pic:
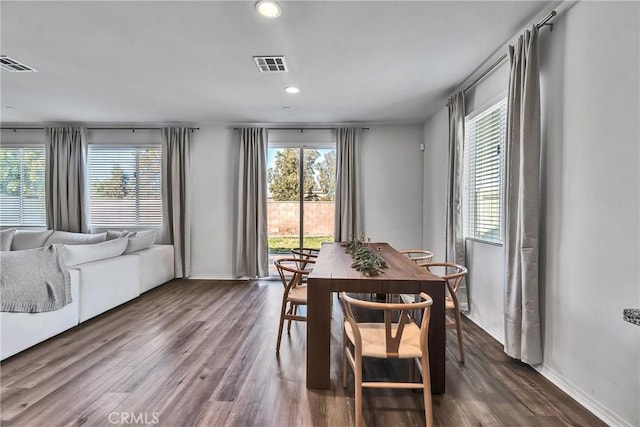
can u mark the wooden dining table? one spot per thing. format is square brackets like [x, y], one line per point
[332, 272]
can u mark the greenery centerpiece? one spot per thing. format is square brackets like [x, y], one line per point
[365, 260]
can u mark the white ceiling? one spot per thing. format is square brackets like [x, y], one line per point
[181, 61]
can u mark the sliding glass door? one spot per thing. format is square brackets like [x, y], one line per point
[300, 197]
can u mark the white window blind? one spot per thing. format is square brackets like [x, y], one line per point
[125, 186]
[22, 186]
[485, 136]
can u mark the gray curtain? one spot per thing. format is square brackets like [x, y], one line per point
[522, 203]
[455, 251]
[176, 196]
[348, 206]
[66, 182]
[252, 247]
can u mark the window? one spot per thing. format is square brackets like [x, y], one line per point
[300, 215]
[125, 186]
[485, 136]
[22, 186]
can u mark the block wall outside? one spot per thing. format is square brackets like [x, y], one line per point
[284, 218]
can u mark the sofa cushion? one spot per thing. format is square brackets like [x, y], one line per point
[6, 237]
[81, 254]
[29, 239]
[140, 240]
[68, 238]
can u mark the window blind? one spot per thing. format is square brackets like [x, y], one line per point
[485, 136]
[125, 186]
[22, 186]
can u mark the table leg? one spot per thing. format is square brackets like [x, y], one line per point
[437, 337]
[318, 334]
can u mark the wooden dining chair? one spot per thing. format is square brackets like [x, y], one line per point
[292, 271]
[403, 339]
[453, 275]
[305, 254]
[419, 256]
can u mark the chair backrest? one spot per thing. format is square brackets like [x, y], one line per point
[419, 256]
[305, 252]
[392, 342]
[452, 273]
[292, 270]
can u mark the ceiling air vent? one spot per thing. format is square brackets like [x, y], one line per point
[270, 64]
[12, 65]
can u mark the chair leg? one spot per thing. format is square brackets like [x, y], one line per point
[459, 331]
[282, 313]
[358, 391]
[344, 358]
[426, 382]
[293, 310]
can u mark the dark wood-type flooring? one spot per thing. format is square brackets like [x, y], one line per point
[195, 352]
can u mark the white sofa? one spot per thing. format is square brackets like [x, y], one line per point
[22, 330]
[96, 287]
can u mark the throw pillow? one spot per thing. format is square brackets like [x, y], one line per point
[141, 240]
[82, 254]
[6, 237]
[68, 238]
[116, 234]
[28, 239]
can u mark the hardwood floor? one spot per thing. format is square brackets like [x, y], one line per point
[196, 352]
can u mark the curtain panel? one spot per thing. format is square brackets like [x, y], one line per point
[522, 203]
[252, 246]
[455, 249]
[348, 205]
[176, 196]
[67, 200]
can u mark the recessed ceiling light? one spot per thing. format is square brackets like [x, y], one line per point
[268, 8]
[291, 89]
[10, 107]
[286, 108]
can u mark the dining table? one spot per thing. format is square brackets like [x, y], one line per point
[332, 272]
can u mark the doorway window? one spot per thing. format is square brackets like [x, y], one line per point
[300, 197]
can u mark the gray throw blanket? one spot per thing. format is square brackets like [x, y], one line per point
[34, 280]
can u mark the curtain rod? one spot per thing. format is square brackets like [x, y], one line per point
[505, 55]
[301, 129]
[132, 129]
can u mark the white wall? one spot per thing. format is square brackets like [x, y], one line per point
[592, 195]
[434, 202]
[213, 163]
[590, 248]
[392, 185]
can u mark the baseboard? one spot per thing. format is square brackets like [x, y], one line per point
[495, 333]
[215, 277]
[592, 405]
